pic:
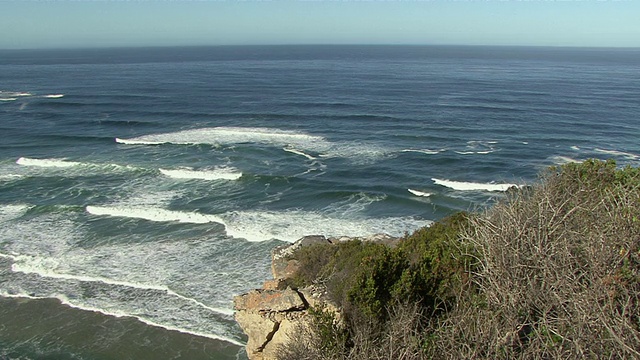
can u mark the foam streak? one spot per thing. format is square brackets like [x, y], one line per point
[154, 214]
[218, 174]
[471, 186]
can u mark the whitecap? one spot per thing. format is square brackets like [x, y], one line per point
[472, 186]
[53, 96]
[298, 152]
[626, 155]
[293, 141]
[230, 136]
[10, 177]
[215, 174]
[153, 214]
[561, 160]
[54, 163]
[137, 142]
[465, 152]
[290, 225]
[419, 193]
[425, 151]
[10, 212]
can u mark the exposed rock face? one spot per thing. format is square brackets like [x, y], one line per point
[269, 316]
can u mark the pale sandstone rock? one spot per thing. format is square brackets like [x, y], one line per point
[270, 316]
[259, 329]
[269, 300]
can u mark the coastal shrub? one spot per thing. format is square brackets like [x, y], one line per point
[369, 281]
[558, 273]
[551, 272]
[312, 260]
[401, 338]
[439, 263]
[366, 277]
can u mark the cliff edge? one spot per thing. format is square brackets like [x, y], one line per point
[271, 315]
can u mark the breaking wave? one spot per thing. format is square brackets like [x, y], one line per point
[425, 151]
[471, 186]
[298, 152]
[291, 225]
[216, 174]
[419, 193]
[229, 136]
[299, 143]
[154, 214]
[54, 163]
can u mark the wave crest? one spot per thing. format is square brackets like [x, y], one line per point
[154, 214]
[216, 174]
[472, 186]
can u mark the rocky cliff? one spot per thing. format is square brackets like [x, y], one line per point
[269, 316]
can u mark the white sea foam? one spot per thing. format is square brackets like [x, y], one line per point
[419, 193]
[229, 136]
[154, 214]
[14, 94]
[44, 267]
[19, 295]
[296, 142]
[576, 148]
[561, 160]
[74, 304]
[137, 142]
[425, 151]
[163, 283]
[53, 96]
[10, 212]
[291, 225]
[53, 163]
[215, 174]
[626, 155]
[83, 168]
[9, 177]
[8, 99]
[476, 147]
[471, 186]
[298, 152]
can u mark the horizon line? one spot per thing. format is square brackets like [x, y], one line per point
[124, 47]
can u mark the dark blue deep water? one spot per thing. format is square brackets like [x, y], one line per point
[140, 189]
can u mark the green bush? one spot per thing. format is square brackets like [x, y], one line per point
[439, 263]
[367, 280]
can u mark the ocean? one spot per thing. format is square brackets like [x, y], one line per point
[142, 188]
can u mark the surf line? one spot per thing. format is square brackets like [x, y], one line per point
[65, 301]
[82, 278]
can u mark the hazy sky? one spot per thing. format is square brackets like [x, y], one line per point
[84, 23]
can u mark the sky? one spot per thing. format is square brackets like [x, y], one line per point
[33, 24]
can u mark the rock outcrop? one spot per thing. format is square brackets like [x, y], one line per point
[270, 316]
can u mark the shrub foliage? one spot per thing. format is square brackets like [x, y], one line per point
[551, 272]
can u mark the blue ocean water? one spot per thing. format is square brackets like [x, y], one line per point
[140, 189]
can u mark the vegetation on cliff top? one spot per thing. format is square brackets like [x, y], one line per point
[553, 271]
